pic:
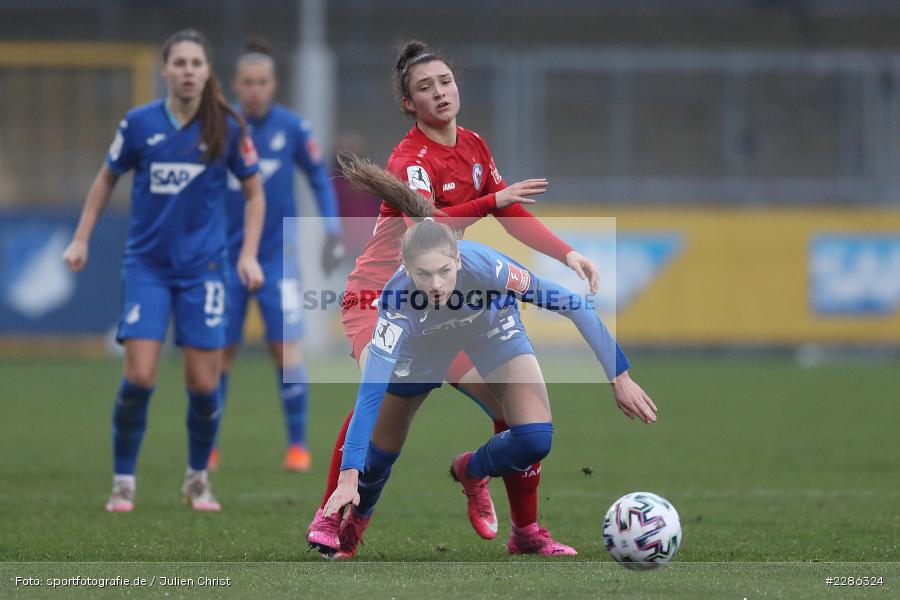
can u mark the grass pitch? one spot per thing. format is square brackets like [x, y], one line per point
[777, 472]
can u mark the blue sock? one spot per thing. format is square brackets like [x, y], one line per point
[128, 424]
[223, 399]
[294, 402]
[223, 391]
[512, 450]
[374, 478]
[202, 424]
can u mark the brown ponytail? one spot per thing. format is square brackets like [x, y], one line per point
[214, 109]
[425, 235]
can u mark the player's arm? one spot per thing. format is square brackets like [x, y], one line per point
[369, 397]
[308, 157]
[243, 162]
[122, 156]
[528, 229]
[547, 294]
[418, 175]
[248, 267]
[76, 254]
[388, 336]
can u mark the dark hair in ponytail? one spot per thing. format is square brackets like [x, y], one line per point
[425, 235]
[214, 109]
[412, 53]
[257, 45]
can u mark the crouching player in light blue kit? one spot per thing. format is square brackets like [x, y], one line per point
[448, 297]
[283, 140]
[180, 149]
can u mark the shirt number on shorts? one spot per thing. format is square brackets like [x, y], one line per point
[214, 307]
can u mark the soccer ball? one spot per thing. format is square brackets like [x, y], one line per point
[642, 531]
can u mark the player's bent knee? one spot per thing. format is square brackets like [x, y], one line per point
[534, 441]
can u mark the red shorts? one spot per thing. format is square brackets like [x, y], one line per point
[359, 322]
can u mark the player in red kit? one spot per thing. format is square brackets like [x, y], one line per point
[453, 167]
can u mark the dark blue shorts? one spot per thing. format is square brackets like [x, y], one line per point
[422, 364]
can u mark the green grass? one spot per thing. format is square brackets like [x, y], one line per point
[766, 463]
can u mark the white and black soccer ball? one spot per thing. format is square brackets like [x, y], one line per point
[642, 531]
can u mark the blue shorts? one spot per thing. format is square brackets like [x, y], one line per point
[278, 300]
[151, 298]
[422, 364]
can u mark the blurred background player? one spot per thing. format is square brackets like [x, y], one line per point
[283, 140]
[181, 150]
[414, 343]
[452, 168]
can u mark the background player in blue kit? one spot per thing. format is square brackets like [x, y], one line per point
[283, 140]
[181, 150]
[448, 297]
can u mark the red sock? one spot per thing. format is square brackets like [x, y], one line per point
[521, 489]
[337, 455]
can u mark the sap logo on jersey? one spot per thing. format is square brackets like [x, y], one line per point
[855, 274]
[171, 178]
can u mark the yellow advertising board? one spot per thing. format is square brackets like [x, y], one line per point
[737, 276]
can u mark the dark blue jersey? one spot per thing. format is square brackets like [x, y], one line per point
[489, 284]
[282, 140]
[178, 217]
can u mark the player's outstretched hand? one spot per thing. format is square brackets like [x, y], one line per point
[632, 400]
[346, 493]
[76, 255]
[250, 273]
[518, 192]
[584, 267]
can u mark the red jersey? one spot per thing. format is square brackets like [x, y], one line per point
[461, 181]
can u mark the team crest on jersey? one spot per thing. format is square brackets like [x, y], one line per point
[477, 175]
[386, 335]
[171, 178]
[278, 141]
[518, 279]
[418, 178]
[134, 315]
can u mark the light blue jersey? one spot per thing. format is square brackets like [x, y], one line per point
[414, 342]
[178, 221]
